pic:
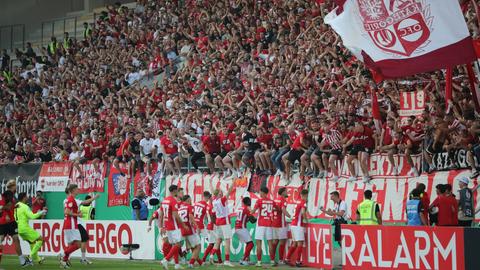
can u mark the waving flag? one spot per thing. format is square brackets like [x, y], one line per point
[397, 38]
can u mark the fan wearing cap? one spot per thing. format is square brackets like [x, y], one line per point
[466, 207]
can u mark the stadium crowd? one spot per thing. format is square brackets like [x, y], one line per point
[260, 84]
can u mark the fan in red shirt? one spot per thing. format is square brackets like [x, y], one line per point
[361, 145]
[227, 139]
[446, 206]
[279, 224]
[263, 230]
[170, 223]
[263, 157]
[170, 153]
[123, 155]
[297, 228]
[414, 133]
[189, 232]
[243, 216]
[8, 225]
[213, 148]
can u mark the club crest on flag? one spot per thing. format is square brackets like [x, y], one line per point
[396, 26]
[119, 184]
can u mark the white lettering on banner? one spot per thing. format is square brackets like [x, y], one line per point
[421, 254]
[450, 249]
[381, 262]
[397, 191]
[319, 247]
[389, 191]
[347, 250]
[106, 238]
[406, 247]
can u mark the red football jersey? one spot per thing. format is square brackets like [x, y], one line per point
[242, 215]
[278, 216]
[169, 205]
[220, 208]
[210, 216]
[70, 222]
[265, 207]
[7, 212]
[184, 211]
[199, 212]
[297, 219]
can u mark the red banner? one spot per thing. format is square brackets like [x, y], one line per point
[118, 188]
[395, 247]
[411, 104]
[54, 176]
[90, 179]
[319, 246]
[144, 181]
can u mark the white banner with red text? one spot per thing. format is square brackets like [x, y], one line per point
[390, 191]
[402, 247]
[106, 238]
[90, 177]
[411, 104]
[54, 176]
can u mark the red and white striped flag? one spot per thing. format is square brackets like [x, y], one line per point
[397, 38]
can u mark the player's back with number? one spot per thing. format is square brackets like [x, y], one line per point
[265, 208]
[242, 217]
[297, 219]
[169, 205]
[184, 211]
[199, 213]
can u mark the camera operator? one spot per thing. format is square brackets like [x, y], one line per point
[340, 213]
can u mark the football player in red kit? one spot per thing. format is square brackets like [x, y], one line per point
[222, 222]
[170, 223]
[298, 230]
[200, 212]
[243, 215]
[70, 225]
[189, 232]
[280, 229]
[211, 232]
[264, 225]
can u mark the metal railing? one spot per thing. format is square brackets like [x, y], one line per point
[10, 34]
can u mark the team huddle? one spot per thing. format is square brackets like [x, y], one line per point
[183, 226]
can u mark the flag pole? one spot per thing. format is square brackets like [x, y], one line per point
[472, 79]
[448, 87]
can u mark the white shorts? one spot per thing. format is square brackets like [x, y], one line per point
[212, 237]
[280, 233]
[298, 233]
[224, 231]
[192, 240]
[72, 235]
[243, 235]
[262, 232]
[174, 236]
[203, 233]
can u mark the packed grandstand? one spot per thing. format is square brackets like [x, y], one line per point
[234, 88]
[256, 72]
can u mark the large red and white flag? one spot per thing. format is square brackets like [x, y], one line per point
[397, 38]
